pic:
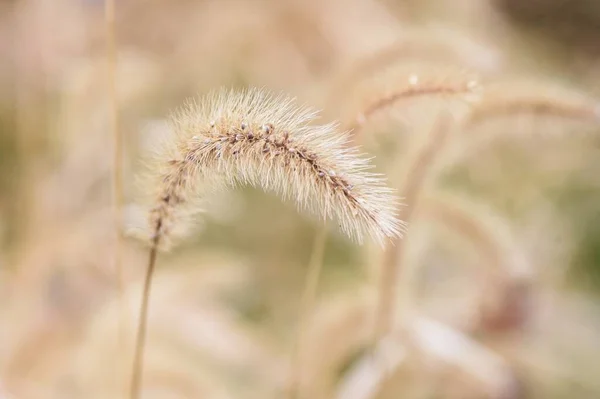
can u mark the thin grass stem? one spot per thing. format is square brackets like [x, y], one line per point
[111, 63]
[405, 93]
[307, 304]
[140, 342]
[418, 172]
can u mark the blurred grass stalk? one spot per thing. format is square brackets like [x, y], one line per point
[113, 112]
[307, 305]
[393, 278]
[30, 103]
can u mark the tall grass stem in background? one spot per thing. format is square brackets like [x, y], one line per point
[117, 180]
[307, 304]
[392, 276]
[390, 99]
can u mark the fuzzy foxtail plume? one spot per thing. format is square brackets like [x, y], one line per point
[253, 137]
[267, 141]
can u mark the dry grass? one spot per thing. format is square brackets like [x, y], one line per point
[486, 129]
[266, 141]
[117, 143]
[256, 138]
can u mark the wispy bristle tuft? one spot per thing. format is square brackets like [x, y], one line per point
[253, 137]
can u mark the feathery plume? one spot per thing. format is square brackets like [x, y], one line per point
[253, 137]
[256, 138]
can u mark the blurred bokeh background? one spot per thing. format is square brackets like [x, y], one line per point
[500, 269]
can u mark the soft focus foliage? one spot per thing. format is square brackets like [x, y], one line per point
[483, 114]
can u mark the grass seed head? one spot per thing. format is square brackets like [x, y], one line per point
[267, 141]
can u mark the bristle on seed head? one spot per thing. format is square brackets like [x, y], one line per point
[254, 137]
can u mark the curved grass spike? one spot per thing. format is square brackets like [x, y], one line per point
[429, 46]
[267, 141]
[117, 180]
[399, 85]
[413, 90]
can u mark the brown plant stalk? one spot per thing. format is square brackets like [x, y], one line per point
[396, 87]
[421, 48]
[140, 340]
[267, 141]
[391, 99]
